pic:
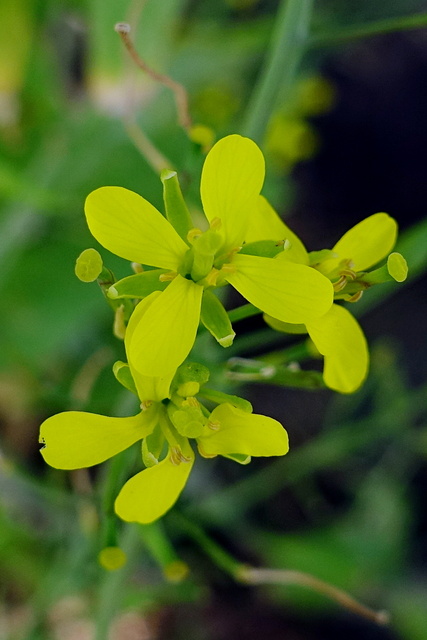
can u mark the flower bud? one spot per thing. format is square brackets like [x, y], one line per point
[88, 265]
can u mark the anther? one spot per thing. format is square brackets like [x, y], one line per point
[145, 404]
[286, 244]
[193, 234]
[167, 277]
[136, 267]
[339, 284]
[355, 298]
[349, 273]
[229, 268]
[190, 402]
[203, 453]
[212, 277]
[214, 425]
[176, 456]
[216, 224]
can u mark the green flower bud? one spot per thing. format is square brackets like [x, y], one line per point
[191, 372]
[397, 267]
[187, 420]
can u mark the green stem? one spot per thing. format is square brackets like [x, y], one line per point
[242, 370]
[252, 576]
[287, 47]
[220, 557]
[378, 27]
[156, 541]
[243, 312]
[112, 590]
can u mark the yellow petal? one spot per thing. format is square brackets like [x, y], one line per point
[338, 336]
[266, 224]
[75, 440]
[244, 433]
[368, 242]
[232, 177]
[287, 291]
[129, 226]
[163, 338]
[148, 495]
[154, 388]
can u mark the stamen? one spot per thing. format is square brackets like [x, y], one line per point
[203, 453]
[193, 234]
[216, 224]
[174, 458]
[145, 404]
[190, 402]
[286, 244]
[229, 268]
[349, 273]
[214, 425]
[167, 277]
[136, 267]
[119, 326]
[355, 298]
[339, 284]
[212, 277]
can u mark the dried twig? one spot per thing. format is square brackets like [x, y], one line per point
[180, 93]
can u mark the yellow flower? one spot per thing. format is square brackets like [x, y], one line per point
[75, 439]
[191, 262]
[336, 334]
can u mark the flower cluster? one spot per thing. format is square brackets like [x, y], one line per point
[179, 266]
[337, 334]
[166, 424]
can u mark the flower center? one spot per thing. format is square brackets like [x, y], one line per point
[199, 259]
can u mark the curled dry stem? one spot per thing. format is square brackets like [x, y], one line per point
[257, 576]
[179, 92]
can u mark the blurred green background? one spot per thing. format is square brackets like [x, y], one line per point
[346, 137]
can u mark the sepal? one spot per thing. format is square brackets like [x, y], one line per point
[138, 285]
[123, 374]
[215, 318]
[176, 210]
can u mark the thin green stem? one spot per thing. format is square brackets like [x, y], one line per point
[243, 312]
[287, 47]
[355, 32]
[218, 555]
[112, 588]
[252, 576]
[244, 370]
[159, 545]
